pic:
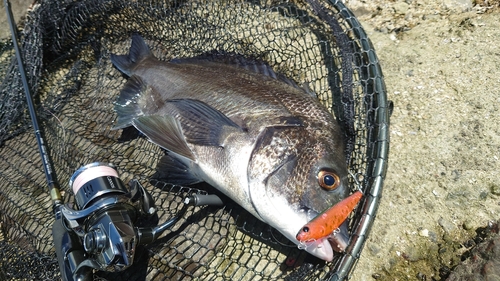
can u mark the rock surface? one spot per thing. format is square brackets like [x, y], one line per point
[482, 262]
[440, 61]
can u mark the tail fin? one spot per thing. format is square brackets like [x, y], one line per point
[138, 52]
[127, 106]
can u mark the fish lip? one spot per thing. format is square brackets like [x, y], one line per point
[309, 213]
[337, 241]
[321, 248]
[340, 238]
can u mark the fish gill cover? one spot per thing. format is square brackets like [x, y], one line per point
[319, 45]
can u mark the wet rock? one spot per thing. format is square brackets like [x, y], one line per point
[482, 262]
[491, 270]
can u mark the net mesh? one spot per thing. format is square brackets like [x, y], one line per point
[67, 46]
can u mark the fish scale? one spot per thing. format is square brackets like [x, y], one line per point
[272, 153]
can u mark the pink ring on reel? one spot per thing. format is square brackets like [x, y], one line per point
[92, 173]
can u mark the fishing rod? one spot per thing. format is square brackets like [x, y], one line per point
[100, 234]
[58, 232]
[53, 187]
[65, 242]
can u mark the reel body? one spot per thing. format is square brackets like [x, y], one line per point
[101, 234]
[105, 218]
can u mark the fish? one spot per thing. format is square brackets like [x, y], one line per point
[234, 123]
[325, 224]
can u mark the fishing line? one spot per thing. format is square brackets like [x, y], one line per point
[64, 142]
[358, 184]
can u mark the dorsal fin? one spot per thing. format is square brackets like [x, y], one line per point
[236, 60]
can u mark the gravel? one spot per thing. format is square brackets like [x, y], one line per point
[440, 60]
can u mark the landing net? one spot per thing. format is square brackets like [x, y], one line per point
[67, 46]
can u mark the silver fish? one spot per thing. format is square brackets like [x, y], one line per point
[254, 135]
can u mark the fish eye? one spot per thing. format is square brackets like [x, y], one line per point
[328, 180]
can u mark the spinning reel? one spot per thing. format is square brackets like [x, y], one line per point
[101, 234]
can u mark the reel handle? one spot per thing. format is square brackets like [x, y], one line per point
[202, 200]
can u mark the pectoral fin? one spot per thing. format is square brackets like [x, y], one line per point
[185, 121]
[166, 132]
[201, 123]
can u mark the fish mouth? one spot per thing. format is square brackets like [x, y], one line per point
[321, 248]
[325, 247]
[339, 239]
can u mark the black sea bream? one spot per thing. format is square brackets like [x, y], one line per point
[266, 143]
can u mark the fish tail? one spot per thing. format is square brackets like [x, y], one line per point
[139, 51]
[136, 98]
[127, 106]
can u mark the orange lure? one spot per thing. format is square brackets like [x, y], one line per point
[325, 223]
